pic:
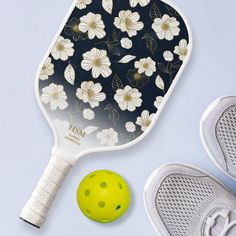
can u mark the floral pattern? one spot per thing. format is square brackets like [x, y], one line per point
[47, 70]
[182, 49]
[82, 4]
[142, 3]
[158, 101]
[97, 61]
[128, 98]
[93, 24]
[166, 27]
[145, 120]
[91, 93]
[130, 127]
[55, 96]
[129, 22]
[72, 29]
[88, 114]
[126, 43]
[168, 56]
[146, 66]
[110, 68]
[108, 137]
[63, 49]
[136, 79]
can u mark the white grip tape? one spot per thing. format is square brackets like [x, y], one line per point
[36, 209]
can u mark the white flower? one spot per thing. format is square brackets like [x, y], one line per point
[47, 70]
[158, 101]
[63, 49]
[145, 120]
[146, 65]
[168, 56]
[93, 24]
[182, 49]
[97, 61]
[130, 127]
[166, 27]
[129, 22]
[126, 43]
[81, 4]
[55, 96]
[128, 98]
[142, 3]
[88, 114]
[108, 137]
[90, 93]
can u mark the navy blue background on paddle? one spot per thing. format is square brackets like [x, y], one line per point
[108, 114]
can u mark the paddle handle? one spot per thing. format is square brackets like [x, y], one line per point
[36, 209]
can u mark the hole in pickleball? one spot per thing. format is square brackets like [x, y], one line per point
[87, 193]
[118, 207]
[103, 184]
[120, 186]
[88, 211]
[101, 204]
[108, 172]
[91, 176]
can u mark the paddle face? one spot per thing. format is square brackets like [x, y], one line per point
[108, 74]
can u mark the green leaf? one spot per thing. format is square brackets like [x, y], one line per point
[117, 83]
[151, 43]
[154, 12]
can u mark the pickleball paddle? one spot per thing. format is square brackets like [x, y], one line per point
[104, 81]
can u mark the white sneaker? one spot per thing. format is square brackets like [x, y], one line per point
[218, 133]
[181, 200]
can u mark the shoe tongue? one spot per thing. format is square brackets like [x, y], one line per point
[220, 224]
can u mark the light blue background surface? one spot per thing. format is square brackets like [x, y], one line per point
[27, 28]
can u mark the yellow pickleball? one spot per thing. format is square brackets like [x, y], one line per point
[103, 196]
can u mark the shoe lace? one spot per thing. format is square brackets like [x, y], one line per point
[212, 220]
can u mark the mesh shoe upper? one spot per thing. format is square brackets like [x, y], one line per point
[218, 133]
[180, 200]
[226, 136]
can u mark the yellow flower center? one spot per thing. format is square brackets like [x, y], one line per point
[127, 97]
[137, 76]
[90, 93]
[75, 29]
[147, 122]
[128, 23]
[60, 47]
[165, 26]
[97, 62]
[145, 66]
[55, 96]
[93, 25]
[184, 52]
